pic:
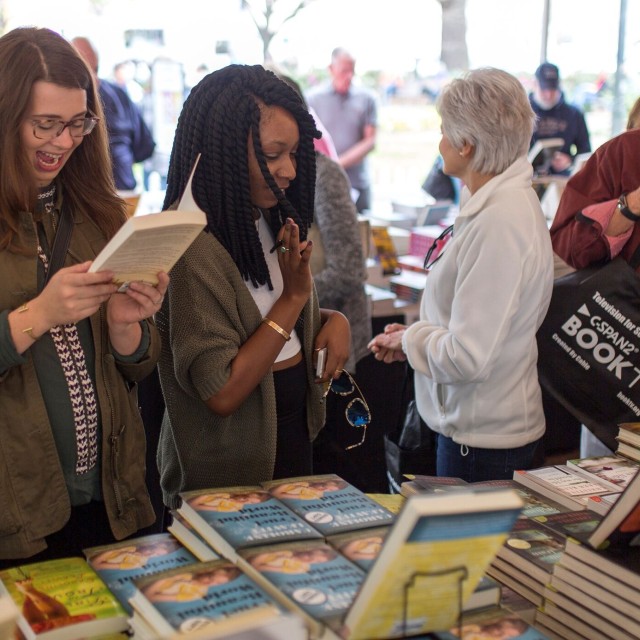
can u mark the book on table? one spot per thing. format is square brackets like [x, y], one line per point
[535, 504]
[62, 599]
[615, 569]
[571, 524]
[214, 596]
[613, 471]
[620, 526]
[329, 503]
[602, 620]
[578, 584]
[8, 616]
[629, 432]
[565, 625]
[362, 548]
[602, 504]
[304, 507]
[120, 563]
[497, 623]
[148, 244]
[190, 538]
[430, 563]
[618, 611]
[558, 483]
[628, 451]
[232, 518]
[532, 548]
[308, 576]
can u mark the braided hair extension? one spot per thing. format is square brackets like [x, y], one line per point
[219, 115]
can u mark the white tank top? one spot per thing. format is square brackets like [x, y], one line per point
[263, 297]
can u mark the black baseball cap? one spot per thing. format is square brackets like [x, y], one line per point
[548, 76]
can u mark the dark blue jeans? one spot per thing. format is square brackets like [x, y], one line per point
[481, 464]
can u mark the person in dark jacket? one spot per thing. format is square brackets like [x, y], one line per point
[557, 119]
[130, 140]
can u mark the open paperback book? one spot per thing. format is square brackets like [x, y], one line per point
[148, 244]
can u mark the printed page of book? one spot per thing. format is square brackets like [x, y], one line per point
[148, 244]
[439, 548]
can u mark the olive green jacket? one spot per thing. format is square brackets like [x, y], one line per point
[34, 502]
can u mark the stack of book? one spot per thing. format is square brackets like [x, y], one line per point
[526, 560]
[629, 440]
[421, 239]
[62, 599]
[594, 589]
[567, 485]
[346, 566]
[408, 285]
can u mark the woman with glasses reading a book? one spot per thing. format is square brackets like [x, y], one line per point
[474, 348]
[241, 322]
[71, 349]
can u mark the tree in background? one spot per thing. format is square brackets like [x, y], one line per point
[269, 21]
[454, 53]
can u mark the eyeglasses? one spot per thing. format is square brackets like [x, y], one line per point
[437, 244]
[357, 413]
[48, 129]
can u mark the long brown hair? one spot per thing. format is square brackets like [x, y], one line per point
[27, 56]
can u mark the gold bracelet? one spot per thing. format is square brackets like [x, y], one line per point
[28, 330]
[276, 327]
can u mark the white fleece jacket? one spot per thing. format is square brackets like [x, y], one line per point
[474, 348]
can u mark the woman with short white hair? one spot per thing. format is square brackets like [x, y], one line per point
[474, 348]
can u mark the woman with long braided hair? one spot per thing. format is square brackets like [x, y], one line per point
[241, 320]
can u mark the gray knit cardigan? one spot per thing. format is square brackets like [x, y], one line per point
[208, 313]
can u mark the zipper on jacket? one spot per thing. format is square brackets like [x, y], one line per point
[114, 440]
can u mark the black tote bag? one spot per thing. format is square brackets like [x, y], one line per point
[589, 346]
[410, 447]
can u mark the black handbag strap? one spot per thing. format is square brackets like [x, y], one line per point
[60, 244]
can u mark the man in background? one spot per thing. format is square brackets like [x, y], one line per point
[557, 119]
[130, 140]
[349, 114]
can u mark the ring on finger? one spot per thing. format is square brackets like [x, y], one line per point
[284, 249]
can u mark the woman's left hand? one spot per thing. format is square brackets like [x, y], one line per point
[139, 302]
[335, 335]
[387, 346]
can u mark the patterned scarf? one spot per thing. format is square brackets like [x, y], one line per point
[82, 394]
